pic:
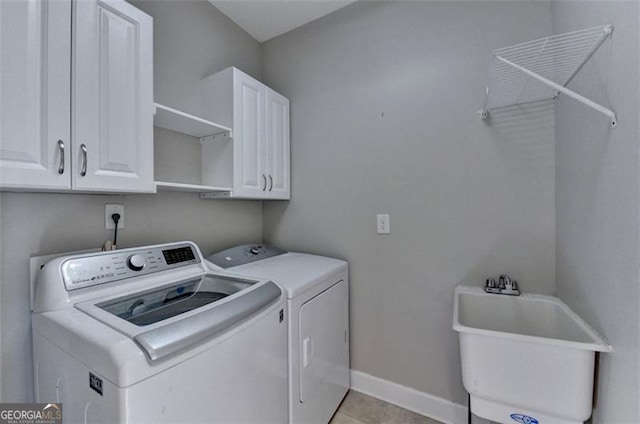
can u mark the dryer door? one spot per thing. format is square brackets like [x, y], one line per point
[324, 334]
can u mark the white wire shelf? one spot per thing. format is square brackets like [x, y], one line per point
[541, 69]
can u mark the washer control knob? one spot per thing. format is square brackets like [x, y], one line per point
[136, 262]
[255, 249]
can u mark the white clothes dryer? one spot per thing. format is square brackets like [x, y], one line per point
[151, 335]
[317, 291]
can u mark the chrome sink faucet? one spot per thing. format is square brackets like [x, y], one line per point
[505, 285]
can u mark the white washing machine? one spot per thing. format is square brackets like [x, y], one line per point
[151, 335]
[317, 291]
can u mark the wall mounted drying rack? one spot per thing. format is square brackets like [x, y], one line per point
[541, 69]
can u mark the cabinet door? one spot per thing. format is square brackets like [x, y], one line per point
[277, 145]
[112, 97]
[249, 174]
[35, 36]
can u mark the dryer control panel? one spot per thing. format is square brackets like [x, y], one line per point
[244, 254]
[104, 267]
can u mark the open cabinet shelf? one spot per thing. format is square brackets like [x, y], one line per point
[185, 123]
[193, 188]
[178, 151]
[541, 69]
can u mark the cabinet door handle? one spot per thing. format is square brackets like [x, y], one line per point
[83, 171]
[270, 182]
[61, 149]
[264, 187]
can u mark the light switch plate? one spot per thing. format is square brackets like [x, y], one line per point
[384, 225]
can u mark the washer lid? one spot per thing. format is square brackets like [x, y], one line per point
[165, 320]
[294, 272]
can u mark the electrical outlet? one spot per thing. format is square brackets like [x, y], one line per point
[384, 225]
[110, 209]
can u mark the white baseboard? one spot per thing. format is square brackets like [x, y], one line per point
[422, 403]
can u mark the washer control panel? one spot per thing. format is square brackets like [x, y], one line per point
[244, 254]
[104, 267]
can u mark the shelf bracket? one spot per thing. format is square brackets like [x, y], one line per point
[484, 111]
[564, 90]
[226, 136]
[216, 195]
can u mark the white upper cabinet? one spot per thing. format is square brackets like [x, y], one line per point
[278, 145]
[250, 156]
[259, 118]
[35, 60]
[112, 97]
[76, 96]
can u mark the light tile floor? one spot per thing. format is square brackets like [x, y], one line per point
[358, 408]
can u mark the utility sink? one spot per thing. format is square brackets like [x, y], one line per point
[527, 359]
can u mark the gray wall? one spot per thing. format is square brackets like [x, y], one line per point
[192, 40]
[598, 254]
[383, 120]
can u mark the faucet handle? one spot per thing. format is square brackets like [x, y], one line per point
[505, 285]
[490, 285]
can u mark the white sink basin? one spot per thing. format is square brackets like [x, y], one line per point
[527, 359]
